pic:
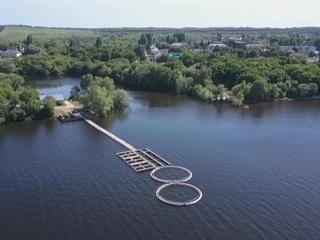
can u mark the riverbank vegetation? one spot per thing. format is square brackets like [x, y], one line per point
[234, 64]
[18, 103]
[99, 95]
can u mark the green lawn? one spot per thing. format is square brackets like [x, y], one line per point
[19, 33]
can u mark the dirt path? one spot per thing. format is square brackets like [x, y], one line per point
[68, 107]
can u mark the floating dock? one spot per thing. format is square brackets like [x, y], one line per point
[142, 160]
[139, 160]
[70, 117]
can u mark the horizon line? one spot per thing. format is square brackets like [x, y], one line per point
[139, 27]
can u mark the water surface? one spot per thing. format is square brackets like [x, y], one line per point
[258, 170]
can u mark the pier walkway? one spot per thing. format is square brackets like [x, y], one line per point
[111, 135]
[139, 160]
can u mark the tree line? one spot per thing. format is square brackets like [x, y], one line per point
[226, 72]
[18, 103]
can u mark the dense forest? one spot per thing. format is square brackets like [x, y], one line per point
[209, 64]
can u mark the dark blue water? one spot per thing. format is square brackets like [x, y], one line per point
[258, 170]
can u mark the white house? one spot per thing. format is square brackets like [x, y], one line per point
[12, 53]
[177, 45]
[304, 49]
[154, 50]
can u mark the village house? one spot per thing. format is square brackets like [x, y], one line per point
[212, 46]
[303, 49]
[178, 45]
[239, 44]
[11, 53]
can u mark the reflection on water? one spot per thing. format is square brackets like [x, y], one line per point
[115, 115]
[54, 86]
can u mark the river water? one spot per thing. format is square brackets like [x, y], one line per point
[258, 170]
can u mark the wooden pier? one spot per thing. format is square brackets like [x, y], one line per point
[111, 135]
[139, 160]
[142, 160]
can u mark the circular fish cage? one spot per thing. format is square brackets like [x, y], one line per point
[179, 202]
[170, 172]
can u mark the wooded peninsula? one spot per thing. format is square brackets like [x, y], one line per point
[232, 64]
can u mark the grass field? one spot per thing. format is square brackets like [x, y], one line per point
[19, 33]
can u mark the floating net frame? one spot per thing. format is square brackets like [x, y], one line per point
[181, 180]
[179, 203]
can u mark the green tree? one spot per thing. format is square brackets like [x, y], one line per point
[29, 101]
[99, 42]
[140, 52]
[47, 109]
[120, 98]
[258, 91]
[254, 53]
[86, 81]
[317, 44]
[29, 39]
[97, 100]
[16, 114]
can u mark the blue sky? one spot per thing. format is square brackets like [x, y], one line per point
[161, 13]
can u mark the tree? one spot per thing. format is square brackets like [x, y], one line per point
[317, 44]
[187, 58]
[146, 39]
[254, 53]
[140, 52]
[203, 92]
[240, 52]
[98, 42]
[163, 58]
[29, 40]
[86, 81]
[47, 109]
[14, 80]
[312, 55]
[17, 114]
[174, 64]
[181, 37]
[258, 91]
[75, 43]
[29, 101]
[237, 99]
[120, 98]
[97, 100]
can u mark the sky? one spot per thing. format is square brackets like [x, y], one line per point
[161, 13]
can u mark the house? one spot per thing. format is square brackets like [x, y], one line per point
[196, 50]
[313, 60]
[164, 51]
[212, 46]
[239, 44]
[254, 46]
[177, 45]
[154, 50]
[303, 49]
[58, 97]
[12, 53]
[175, 55]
